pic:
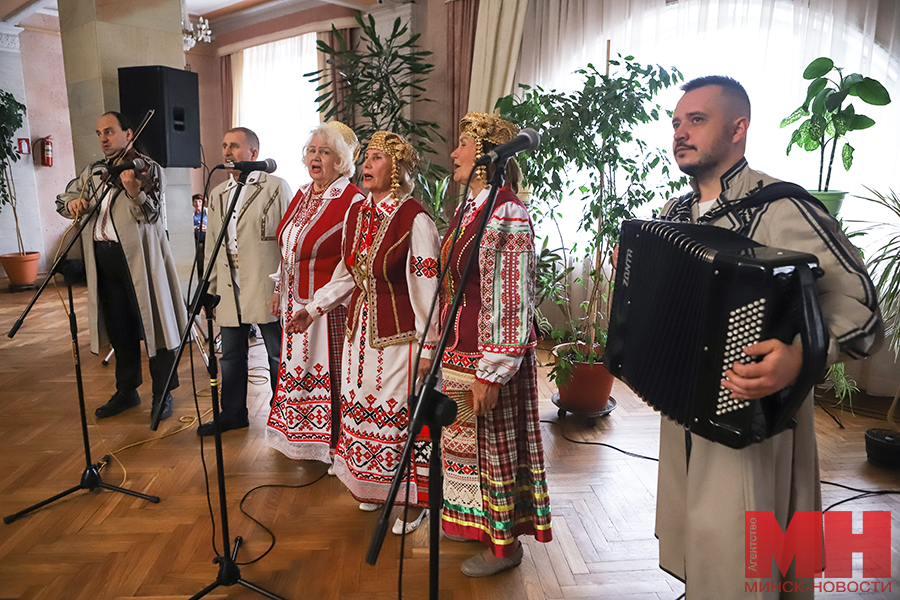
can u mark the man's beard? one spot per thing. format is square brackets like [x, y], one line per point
[705, 161]
[693, 169]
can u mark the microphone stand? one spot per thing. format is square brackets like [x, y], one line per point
[436, 410]
[229, 572]
[90, 478]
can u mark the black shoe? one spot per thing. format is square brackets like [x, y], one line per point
[208, 429]
[118, 403]
[166, 408]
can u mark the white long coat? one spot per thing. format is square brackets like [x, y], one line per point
[141, 231]
[701, 501]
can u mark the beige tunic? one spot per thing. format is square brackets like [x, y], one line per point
[701, 503]
[264, 200]
[140, 228]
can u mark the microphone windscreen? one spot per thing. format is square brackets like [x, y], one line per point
[533, 136]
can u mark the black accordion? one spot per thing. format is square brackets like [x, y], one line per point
[687, 300]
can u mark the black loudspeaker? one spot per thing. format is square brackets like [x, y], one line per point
[172, 137]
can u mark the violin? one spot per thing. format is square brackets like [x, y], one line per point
[148, 184]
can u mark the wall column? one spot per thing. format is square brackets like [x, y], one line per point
[98, 37]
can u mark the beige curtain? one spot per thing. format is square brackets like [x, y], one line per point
[498, 37]
[237, 81]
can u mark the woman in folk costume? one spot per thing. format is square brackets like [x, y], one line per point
[389, 274]
[495, 487]
[305, 418]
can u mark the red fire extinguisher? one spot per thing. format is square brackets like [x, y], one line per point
[47, 154]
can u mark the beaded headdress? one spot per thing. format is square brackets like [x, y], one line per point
[402, 155]
[482, 126]
[347, 135]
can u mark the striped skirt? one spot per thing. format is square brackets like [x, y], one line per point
[495, 486]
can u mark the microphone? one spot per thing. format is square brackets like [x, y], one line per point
[528, 139]
[267, 165]
[137, 164]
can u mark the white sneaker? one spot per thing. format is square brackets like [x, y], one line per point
[331, 469]
[368, 506]
[401, 528]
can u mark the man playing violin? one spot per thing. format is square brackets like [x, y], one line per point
[133, 288]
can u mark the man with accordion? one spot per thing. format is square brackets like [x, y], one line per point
[705, 487]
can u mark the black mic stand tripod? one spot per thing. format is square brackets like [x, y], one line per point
[90, 478]
[229, 572]
[436, 410]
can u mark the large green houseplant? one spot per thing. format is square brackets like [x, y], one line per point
[830, 115]
[883, 445]
[591, 164]
[21, 266]
[379, 79]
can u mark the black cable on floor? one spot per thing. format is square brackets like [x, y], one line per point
[830, 414]
[267, 530]
[862, 493]
[212, 516]
[601, 444]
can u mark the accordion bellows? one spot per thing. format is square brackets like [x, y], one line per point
[687, 300]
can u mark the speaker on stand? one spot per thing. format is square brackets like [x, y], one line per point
[172, 137]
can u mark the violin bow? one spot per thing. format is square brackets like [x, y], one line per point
[134, 138]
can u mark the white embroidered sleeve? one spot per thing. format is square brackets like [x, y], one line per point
[335, 292]
[422, 278]
[507, 262]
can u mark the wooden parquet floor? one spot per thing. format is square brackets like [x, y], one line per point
[109, 546]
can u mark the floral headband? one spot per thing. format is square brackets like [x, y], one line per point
[482, 126]
[401, 152]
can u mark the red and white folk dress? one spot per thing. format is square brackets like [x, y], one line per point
[305, 416]
[495, 486]
[388, 276]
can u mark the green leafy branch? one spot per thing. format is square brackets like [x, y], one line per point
[12, 113]
[379, 79]
[829, 120]
[589, 157]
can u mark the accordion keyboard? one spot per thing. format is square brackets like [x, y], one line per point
[686, 302]
[744, 328]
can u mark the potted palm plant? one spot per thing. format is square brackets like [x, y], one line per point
[21, 267]
[590, 163]
[830, 116]
[378, 79]
[882, 444]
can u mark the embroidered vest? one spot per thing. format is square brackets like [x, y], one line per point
[380, 276]
[317, 248]
[463, 337]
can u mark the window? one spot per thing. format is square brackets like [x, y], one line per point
[278, 103]
[764, 44]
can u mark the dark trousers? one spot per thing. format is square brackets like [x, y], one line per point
[115, 293]
[235, 347]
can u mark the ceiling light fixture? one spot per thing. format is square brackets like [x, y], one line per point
[192, 33]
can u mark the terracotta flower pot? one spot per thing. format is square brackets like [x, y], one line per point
[21, 269]
[587, 389]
